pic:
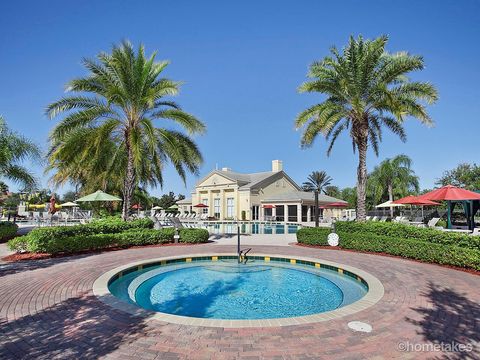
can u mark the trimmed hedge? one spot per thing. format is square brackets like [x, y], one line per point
[40, 239]
[405, 231]
[84, 242]
[194, 236]
[313, 236]
[7, 230]
[407, 248]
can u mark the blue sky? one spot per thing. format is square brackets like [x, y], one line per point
[241, 63]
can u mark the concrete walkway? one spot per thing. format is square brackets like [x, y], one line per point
[48, 310]
[255, 239]
[4, 251]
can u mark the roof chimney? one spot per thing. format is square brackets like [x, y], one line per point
[226, 169]
[277, 165]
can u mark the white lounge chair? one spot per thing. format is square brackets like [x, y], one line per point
[432, 222]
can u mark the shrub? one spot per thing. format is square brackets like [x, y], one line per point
[194, 236]
[408, 248]
[18, 244]
[405, 231]
[442, 223]
[413, 249]
[44, 238]
[313, 236]
[90, 241]
[7, 230]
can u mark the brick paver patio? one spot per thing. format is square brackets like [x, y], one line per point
[48, 311]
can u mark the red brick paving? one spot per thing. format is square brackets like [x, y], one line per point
[47, 310]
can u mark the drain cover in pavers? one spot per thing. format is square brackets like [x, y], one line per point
[360, 326]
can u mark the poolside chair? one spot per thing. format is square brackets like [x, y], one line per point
[383, 218]
[368, 218]
[375, 218]
[433, 222]
[177, 223]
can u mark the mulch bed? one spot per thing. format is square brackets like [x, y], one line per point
[40, 256]
[470, 271]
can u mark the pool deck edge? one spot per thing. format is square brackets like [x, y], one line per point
[374, 294]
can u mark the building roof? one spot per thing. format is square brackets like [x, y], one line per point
[184, 201]
[301, 196]
[252, 180]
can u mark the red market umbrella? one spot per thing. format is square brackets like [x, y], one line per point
[415, 200]
[200, 206]
[136, 206]
[421, 202]
[268, 206]
[451, 193]
[405, 200]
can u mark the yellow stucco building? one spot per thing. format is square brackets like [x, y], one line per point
[269, 195]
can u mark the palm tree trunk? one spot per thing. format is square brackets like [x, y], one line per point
[129, 181]
[362, 180]
[390, 198]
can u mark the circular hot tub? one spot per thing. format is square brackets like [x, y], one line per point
[216, 290]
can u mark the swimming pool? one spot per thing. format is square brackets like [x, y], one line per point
[249, 228]
[218, 288]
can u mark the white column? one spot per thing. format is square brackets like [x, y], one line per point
[309, 213]
[285, 212]
[299, 212]
[222, 204]
[274, 213]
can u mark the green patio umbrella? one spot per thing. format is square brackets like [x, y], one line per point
[98, 195]
[173, 207]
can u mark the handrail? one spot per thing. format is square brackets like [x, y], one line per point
[243, 255]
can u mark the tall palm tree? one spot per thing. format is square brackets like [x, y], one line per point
[395, 177]
[367, 89]
[14, 149]
[118, 102]
[317, 181]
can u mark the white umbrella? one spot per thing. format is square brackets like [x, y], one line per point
[69, 204]
[388, 204]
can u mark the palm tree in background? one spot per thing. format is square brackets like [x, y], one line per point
[367, 89]
[114, 108]
[395, 178]
[317, 181]
[14, 149]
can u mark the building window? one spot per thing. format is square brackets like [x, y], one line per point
[205, 209]
[230, 207]
[255, 212]
[216, 208]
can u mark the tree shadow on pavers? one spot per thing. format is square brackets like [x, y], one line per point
[10, 268]
[78, 328]
[451, 319]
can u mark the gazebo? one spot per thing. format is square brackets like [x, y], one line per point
[453, 195]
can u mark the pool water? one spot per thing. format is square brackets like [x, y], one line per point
[227, 290]
[251, 228]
